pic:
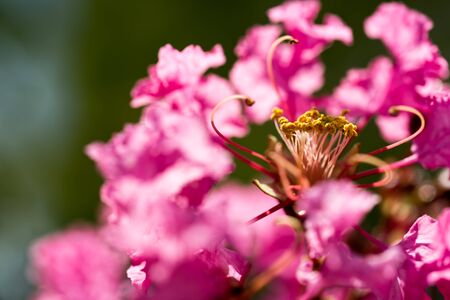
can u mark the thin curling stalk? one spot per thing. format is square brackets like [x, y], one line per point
[412, 159]
[248, 102]
[372, 160]
[228, 142]
[395, 110]
[269, 66]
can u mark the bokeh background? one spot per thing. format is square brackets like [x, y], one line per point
[66, 70]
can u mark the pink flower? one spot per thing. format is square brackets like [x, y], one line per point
[405, 33]
[177, 80]
[343, 271]
[261, 243]
[332, 208]
[298, 19]
[297, 71]
[174, 71]
[193, 280]
[432, 146]
[76, 265]
[372, 91]
[163, 139]
[364, 91]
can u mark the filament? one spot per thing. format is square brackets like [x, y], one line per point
[388, 167]
[372, 160]
[395, 110]
[270, 211]
[269, 66]
[250, 163]
[227, 141]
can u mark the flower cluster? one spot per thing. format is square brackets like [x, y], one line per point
[169, 231]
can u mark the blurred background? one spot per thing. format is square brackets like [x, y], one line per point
[66, 70]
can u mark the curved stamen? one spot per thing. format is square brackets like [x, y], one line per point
[382, 169]
[250, 163]
[365, 158]
[270, 211]
[248, 102]
[395, 110]
[269, 66]
[283, 166]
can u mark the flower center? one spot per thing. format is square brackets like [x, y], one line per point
[315, 140]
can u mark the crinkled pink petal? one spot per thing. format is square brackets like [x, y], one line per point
[262, 242]
[193, 280]
[257, 41]
[438, 263]
[291, 12]
[342, 268]
[175, 70]
[155, 224]
[398, 26]
[298, 18]
[250, 78]
[363, 91]
[308, 80]
[162, 138]
[419, 241]
[405, 33]
[394, 129]
[326, 220]
[432, 146]
[77, 265]
[229, 118]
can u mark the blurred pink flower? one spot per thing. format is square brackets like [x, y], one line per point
[261, 243]
[76, 265]
[345, 271]
[333, 207]
[167, 148]
[185, 239]
[174, 71]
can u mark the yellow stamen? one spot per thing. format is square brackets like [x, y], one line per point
[315, 140]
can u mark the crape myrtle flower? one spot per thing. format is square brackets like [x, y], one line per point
[311, 152]
[416, 63]
[158, 172]
[286, 237]
[77, 264]
[297, 69]
[177, 79]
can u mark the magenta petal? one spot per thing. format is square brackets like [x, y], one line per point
[77, 265]
[326, 221]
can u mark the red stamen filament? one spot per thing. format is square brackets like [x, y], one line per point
[228, 141]
[248, 102]
[365, 158]
[250, 163]
[396, 165]
[270, 211]
[269, 66]
[395, 110]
